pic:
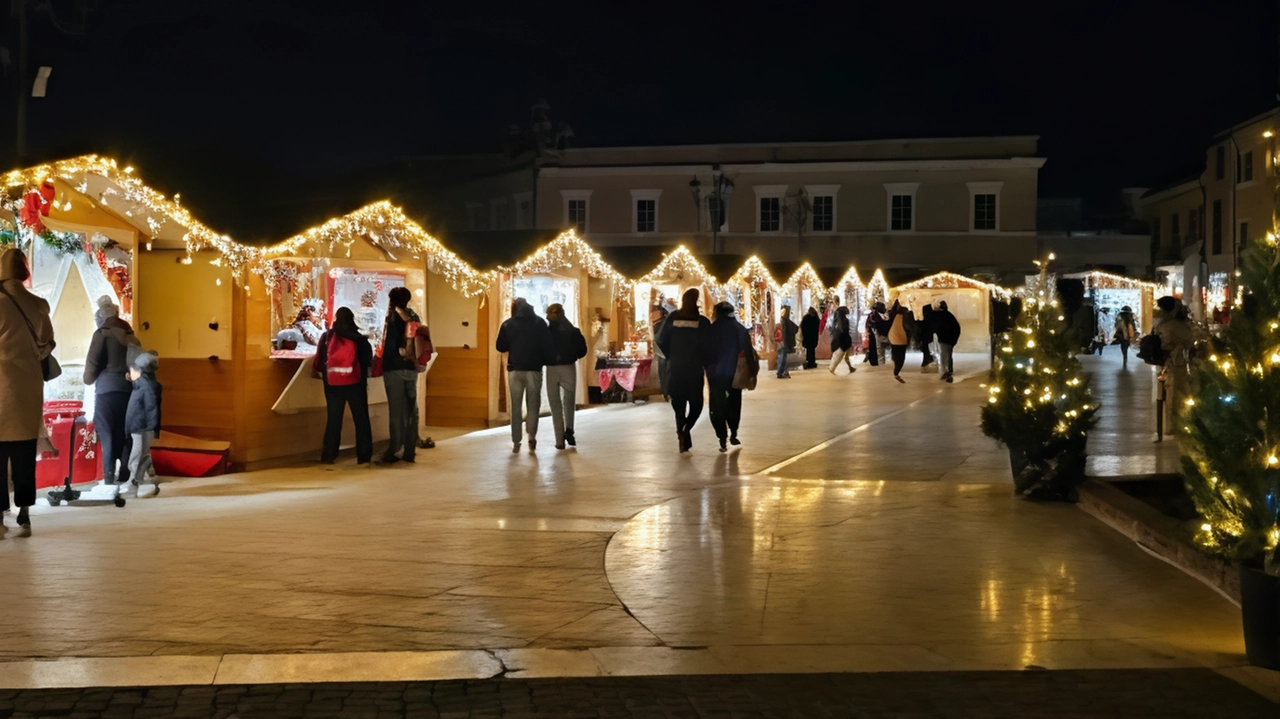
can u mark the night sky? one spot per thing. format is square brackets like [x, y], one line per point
[249, 107]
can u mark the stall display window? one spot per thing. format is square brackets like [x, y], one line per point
[306, 295]
[366, 294]
[1216, 297]
[542, 291]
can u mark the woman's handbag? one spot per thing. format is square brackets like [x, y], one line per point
[49, 366]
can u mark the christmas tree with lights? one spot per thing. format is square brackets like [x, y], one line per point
[1038, 403]
[1230, 428]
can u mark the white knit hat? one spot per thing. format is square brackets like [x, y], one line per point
[106, 308]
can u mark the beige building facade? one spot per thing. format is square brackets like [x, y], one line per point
[963, 204]
[1200, 224]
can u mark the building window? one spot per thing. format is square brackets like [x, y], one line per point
[769, 207]
[770, 214]
[578, 215]
[1155, 232]
[1243, 240]
[577, 210]
[1247, 165]
[984, 205]
[1175, 232]
[824, 217]
[984, 212]
[822, 206]
[1220, 164]
[644, 210]
[646, 215]
[900, 212]
[1217, 227]
[902, 205]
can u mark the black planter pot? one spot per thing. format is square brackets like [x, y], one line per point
[1260, 609]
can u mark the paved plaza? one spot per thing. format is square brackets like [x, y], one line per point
[864, 526]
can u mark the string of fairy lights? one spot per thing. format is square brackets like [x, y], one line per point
[386, 227]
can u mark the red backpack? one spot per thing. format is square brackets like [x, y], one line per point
[341, 366]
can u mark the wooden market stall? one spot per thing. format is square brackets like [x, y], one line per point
[967, 298]
[93, 229]
[1109, 292]
[290, 296]
[596, 298]
[758, 299]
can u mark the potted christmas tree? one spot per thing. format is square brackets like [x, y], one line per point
[1039, 405]
[1230, 441]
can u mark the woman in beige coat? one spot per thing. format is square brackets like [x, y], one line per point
[26, 337]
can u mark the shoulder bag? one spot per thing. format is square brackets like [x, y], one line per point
[49, 366]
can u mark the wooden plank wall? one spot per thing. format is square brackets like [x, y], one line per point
[457, 387]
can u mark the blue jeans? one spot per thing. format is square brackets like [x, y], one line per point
[782, 361]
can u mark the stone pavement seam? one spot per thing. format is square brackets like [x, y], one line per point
[866, 426]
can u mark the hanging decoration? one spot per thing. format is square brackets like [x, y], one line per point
[878, 288]
[386, 227]
[564, 251]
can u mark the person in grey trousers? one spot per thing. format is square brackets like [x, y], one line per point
[526, 340]
[400, 377]
[562, 373]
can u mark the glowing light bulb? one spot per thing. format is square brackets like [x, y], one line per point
[1273, 460]
[1206, 527]
[1191, 402]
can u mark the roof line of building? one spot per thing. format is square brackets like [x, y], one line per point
[1253, 120]
[824, 143]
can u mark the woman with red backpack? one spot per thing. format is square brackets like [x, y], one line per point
[343, 360]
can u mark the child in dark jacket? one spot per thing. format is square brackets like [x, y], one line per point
[142, 419]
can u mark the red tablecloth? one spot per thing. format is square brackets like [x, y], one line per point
[627, 377]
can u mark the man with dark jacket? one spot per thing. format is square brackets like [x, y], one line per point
[400, 377]
[809, 331]
[526, 340]
[686, 341]
[562, 372]
[788, 344]
[947, 328]
[728, 340]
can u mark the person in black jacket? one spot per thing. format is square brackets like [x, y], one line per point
[924, 332]
[526, 340]
[142, 419]
[729, 341]
[562, 373]
[841, 341]
[947, 328]
[686, 341]
[337, 397]
[400, 377]
[788, 344]
[809, 331]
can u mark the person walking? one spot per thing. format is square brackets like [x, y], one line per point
[880, 323]
[657, 316]
[947, 328]
[400, 377]
[787, 346]
[1125, 332]
[898, 338]
[142, 419]
[111, 352]
[686, 341]
[729, 340]
[568, 346]
[526, 340]
[809, 331]
[1176, 342]
[841, 341]
[344, 360]
[924, 337]
[26, 338]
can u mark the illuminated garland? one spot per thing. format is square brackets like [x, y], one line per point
[135, 199]
[386, 227]
[1098, 279]
[804, 277]
[564, 251]
[951, 280]
[681, 264]
[878, 288]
